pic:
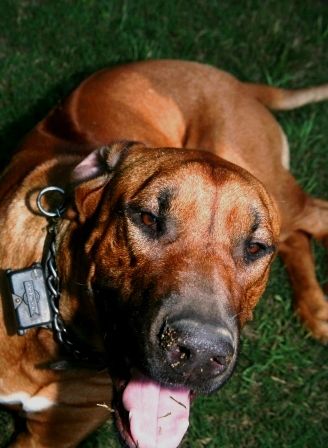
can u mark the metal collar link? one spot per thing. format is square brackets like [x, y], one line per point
[48, 213]
[53, 287]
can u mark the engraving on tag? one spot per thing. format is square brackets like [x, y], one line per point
[31, 298]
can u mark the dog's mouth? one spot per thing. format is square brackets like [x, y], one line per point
[166, 362]
[150, 414]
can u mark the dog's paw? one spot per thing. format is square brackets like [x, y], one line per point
[315, 319]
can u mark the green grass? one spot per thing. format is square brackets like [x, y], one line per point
[278, 396]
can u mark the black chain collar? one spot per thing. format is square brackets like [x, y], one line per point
[53, 286]
[35, 294]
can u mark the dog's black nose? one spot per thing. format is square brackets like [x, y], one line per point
[194, 348]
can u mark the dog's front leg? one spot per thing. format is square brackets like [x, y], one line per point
[310, 300]
[80, 403]
[64, 426]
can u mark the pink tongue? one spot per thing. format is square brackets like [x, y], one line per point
[159, 415]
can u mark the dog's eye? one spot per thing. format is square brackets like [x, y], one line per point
[150, 224]
[148, 219]
[255, 250]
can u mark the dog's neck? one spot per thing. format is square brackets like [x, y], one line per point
[30, 230]
[77, 303]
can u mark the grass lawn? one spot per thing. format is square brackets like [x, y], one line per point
[278, 395]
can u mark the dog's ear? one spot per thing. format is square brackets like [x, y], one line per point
[100, 162]
[90, 177]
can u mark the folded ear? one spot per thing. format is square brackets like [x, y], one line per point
[90, 177]
[101, 161]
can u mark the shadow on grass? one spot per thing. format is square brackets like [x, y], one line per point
[12, 134]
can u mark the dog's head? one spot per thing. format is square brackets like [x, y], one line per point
[175, 249]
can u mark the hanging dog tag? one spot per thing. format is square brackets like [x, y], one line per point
[30, 298]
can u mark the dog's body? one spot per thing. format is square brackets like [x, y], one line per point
[151, 231]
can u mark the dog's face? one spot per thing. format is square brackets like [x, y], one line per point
[179, 245]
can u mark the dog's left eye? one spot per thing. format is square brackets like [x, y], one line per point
[255, 250]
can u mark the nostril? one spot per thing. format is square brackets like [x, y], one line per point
[219, 363]
[176, 352]
[178, 355]
[168, 338]
[218, 360]
[221, 360]
[185, 353]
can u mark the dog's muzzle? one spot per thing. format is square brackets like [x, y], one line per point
[187, 347]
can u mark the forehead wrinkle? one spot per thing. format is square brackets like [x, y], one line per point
[164, 199]
[256, 220]
[146, 183]
[171, 167]
[214, 210]
[218, 176]
[263, 215]
[233, 211]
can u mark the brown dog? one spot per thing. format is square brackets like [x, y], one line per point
[162, 253]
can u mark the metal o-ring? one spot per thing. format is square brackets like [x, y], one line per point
[59, 211]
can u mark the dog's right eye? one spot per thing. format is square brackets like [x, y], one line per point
[150, 224]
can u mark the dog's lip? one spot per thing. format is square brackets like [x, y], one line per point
[121, 421]
[121, 416]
